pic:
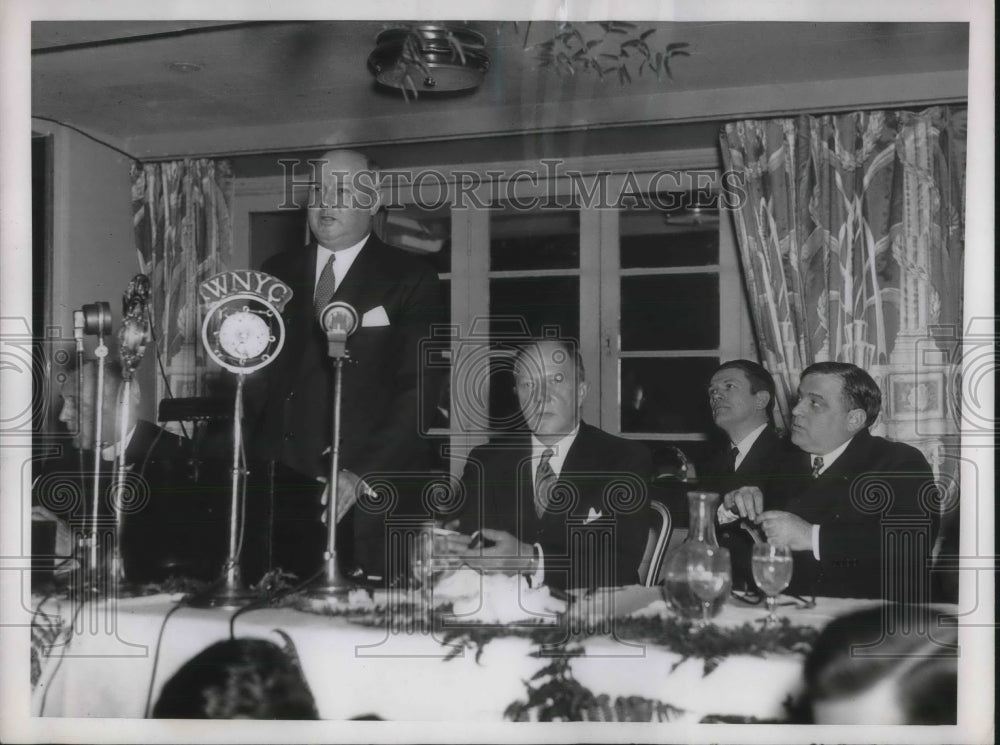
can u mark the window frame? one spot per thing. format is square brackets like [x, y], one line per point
[599, 272]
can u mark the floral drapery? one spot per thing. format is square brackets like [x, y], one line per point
[851, 236]
[181, 217]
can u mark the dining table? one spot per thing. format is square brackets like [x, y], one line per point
[611, 655]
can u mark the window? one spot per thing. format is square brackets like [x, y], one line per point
[651, 291]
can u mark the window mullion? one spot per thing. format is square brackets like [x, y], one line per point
[610, 319]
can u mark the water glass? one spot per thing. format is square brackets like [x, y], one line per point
[772, 571]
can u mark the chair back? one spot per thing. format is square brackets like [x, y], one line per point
[656, 543]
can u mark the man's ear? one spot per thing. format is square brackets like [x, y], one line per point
[761, 400]
[582, 389]
[856, 420]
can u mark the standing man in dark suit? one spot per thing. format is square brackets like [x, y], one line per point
[398, 298]
[741, 395]
[845, 490]
[533, 498]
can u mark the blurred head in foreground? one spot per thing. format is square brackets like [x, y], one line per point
[238, 679]
[860, 673]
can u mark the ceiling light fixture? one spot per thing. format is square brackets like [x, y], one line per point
[429, 58]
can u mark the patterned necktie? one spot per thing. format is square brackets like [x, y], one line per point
[545, 477]
[733, 455]
[326, 286]
[817, 465]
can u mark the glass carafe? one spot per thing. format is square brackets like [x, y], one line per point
[676, 588]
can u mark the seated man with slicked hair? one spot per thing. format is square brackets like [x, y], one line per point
[844, 490]
[532, 498]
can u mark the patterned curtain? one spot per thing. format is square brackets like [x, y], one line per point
[851, 232]
[181, 215]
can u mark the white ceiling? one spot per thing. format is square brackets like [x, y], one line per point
[281, 86]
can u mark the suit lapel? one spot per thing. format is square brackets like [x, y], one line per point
[826, 491]
[849, 464]
[299, 311]
[360, 283]
[579, 460]
[757, 454]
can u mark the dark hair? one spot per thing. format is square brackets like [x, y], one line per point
[760, 379]
[238, 679]
[860, 390]
[570, 346]
[924, 670]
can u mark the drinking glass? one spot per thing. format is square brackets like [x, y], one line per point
[708, 569]
[772, 571]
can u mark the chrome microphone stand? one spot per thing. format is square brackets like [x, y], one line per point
[97, 320]
[229, 591]
[338, 321]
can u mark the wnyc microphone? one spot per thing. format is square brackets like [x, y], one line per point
[339, 320]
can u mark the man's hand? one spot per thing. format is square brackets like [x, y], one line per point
[506, 554]
[747, 501]
[349, 488]
[786, 529]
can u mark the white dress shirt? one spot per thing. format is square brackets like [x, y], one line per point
[111, 451]
[746, 443]
[345, 258]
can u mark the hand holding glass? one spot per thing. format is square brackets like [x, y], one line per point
[708, 569]
[772, 571]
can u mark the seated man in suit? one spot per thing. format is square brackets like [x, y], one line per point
[166, 520]
[534, 499]
[843, 486]
[741, 395]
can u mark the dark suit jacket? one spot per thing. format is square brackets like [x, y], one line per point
[758, 468]
[499, 494]
[867, 504]
[170, 524]
[762, 468]
[289, 407]
[385, 385]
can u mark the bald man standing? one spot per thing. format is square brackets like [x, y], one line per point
[398, 298]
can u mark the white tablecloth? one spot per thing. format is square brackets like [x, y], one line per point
[119, 658]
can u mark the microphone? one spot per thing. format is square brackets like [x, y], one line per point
[134, 334]
[96, 318]
[339, 320]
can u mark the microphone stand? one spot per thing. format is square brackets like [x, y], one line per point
[332, 586]
[117, 564]
[78, 324]
[100, 323]
[229, 591]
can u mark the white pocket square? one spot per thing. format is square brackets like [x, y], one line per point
[375, 317]
[591, 516]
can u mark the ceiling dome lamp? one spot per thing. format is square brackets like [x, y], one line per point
[430, 58]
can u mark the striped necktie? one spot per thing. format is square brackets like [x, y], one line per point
[545, 477]
[817, 465]
[326, 286]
